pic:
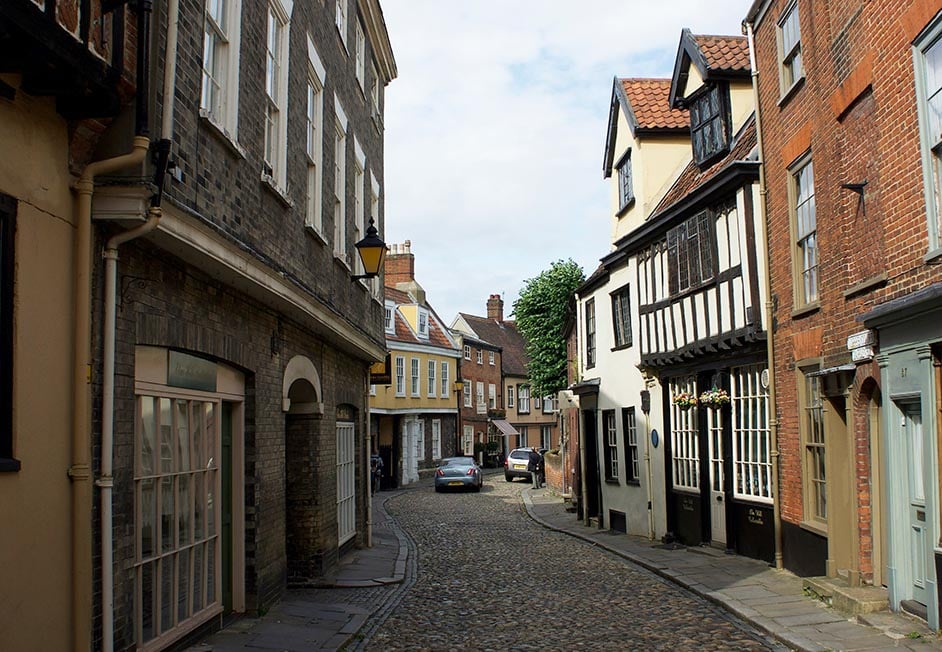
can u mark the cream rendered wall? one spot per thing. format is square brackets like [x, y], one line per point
[35, 503]
[621, 385]
[655, 163]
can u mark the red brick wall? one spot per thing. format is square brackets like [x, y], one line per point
[856, 111]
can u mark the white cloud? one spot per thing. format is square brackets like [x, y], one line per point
[495, 129]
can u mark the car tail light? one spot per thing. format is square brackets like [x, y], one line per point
[506, 462]
[440, 473]
[471, 471]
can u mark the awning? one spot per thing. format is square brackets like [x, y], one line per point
[504, 427]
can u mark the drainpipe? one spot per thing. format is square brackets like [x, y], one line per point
[368, 466]
[769, 316]
[106, 479]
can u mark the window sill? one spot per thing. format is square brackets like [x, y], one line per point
[341, 259]
[865, 286]
[315, 233]
[624, 209]
[821, 529]
[621, 347]
[633, 483]
[806, 310]
[281, 194]
[791, 92]
[612, 481]
[933, 256]
[9, 465]
[222, 134]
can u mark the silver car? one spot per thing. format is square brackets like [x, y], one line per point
[458, 473]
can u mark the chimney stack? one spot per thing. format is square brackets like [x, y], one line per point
[495, 308]
[400, 264]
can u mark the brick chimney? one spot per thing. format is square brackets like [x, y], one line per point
[400, 264]
[495, 308]
[400, 271]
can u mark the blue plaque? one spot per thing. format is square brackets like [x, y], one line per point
[654, 438]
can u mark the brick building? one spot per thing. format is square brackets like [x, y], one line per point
[481, 396]
[230, 338]
[847, 95]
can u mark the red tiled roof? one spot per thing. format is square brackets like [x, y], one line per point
[436, 331]
[693, 177]
[724, 53]
[505, 335]
[650, 102]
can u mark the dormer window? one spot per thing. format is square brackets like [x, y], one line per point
[423, 323]
[708, 125]
[390, 322]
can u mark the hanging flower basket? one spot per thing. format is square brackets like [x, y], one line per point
[715, 398]
[684, 400]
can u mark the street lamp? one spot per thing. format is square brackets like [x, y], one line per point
[372, 252]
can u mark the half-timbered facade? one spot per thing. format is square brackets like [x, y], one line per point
[700, 280]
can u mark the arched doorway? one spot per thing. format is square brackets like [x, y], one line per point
[304, 409]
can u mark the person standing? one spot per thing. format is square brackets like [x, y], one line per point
[536, 467]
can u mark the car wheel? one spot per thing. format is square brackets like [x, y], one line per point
[508, 478]
[438, 490]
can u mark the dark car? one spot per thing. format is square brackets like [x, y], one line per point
[517, 464]
[458, 473]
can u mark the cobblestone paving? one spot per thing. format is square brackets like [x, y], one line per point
[488, 577]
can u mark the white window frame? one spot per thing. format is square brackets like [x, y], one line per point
[222, 35]
[510, 396]
[610, 429]
[930, 134]
[341, 20]
[546, 436]
[752, 437]
[314, 121]
[400, 375]
[491, 396]
[479, 356]
[804, 224]
[415, 379]
[445, 379]
[490, 358]
[340, 182]
[467, 352]
[467, 440]
[346, 482]
[276, 95]
[374, 93]
[389, 317]
[436, 439]
[685, 442]
[360, 54]
[479, 404]
[432, 381]
[788, 36]
[422, 316]
[467, 394]
[523, 399]
[359, 187]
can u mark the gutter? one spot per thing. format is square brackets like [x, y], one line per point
[774, 453]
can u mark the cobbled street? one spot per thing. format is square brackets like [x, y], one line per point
[488, 577]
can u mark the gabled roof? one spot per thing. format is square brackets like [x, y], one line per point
[505, 335]
[645, 103]
[693, 178]
[437, 333]
[715, 57]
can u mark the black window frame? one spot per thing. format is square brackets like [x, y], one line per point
[626, 193]
[590, 333]
[621, 316]
[629, 424]
[8, 208]
[691, 252]
[610, 445]
[709, 118]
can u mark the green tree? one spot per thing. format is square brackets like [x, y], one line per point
[540, 312]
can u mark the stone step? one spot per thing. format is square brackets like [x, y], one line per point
[853, 600]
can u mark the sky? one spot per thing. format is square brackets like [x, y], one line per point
[495, 131]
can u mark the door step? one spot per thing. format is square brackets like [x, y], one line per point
[837, 593]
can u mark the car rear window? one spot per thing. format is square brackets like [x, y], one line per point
[520, 455]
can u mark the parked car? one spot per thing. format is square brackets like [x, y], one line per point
[458, 473]
[517, 464]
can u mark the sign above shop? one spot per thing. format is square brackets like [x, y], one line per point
[861, 346]
[191, 372]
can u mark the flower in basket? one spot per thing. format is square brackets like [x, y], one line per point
[715, 397]
[685, 400]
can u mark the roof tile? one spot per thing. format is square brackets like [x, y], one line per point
[650, 101]
[724, 53]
